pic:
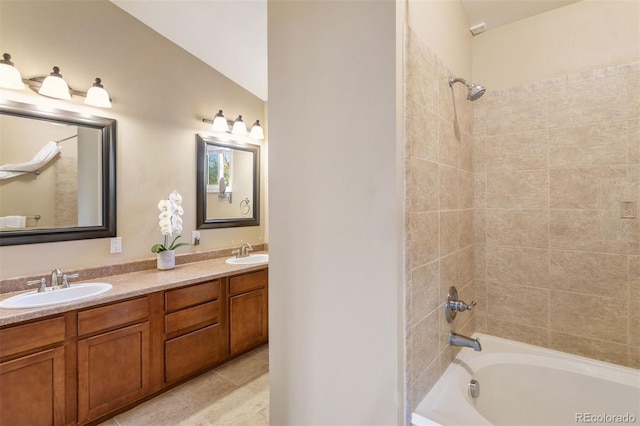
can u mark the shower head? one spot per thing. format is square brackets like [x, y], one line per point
[475, 90]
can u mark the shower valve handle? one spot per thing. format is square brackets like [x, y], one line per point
[460, 306]
[452, 306]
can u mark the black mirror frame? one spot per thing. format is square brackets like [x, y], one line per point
[108, 128]
[202, 141]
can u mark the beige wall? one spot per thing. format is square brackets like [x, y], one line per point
[335, 325]
[557, 265]
[160, 93]
[587, 35]
[438, 213]
[443, 27]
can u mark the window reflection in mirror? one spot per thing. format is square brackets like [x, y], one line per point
[227, 183]
[69, 190]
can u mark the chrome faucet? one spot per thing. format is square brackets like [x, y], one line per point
[55, 278]
[460, 340]
[243, 251]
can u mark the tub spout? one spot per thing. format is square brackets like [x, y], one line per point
[460, 340]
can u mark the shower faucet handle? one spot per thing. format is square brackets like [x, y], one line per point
[453, 305]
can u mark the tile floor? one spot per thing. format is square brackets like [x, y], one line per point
[236, 393]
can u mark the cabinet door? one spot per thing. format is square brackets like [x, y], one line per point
[113, 370]
[248, 320]
[32, 389]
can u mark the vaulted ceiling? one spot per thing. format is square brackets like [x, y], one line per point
[231, 35]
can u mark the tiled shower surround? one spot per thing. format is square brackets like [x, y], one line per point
[438, 214]
[515, 199]
[556, 265]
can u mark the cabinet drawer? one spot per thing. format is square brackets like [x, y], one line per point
[28, 337]
[193, 295]
[111, 316]
[194, 351]
[248, 282]
[191, 318]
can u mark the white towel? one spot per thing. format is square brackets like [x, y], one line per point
[42, 157]
[3, 222]
[15, 221]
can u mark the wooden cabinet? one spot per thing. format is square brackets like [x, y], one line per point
[193, 329]
[113, 362]
[32, 373]
[84, 365]
[248, 311]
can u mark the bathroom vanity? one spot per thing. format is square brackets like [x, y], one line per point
[81, 362]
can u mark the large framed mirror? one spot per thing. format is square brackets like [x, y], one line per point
[227, 183]
[57, 175]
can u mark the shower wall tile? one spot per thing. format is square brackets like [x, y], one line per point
[633, 133]
[570, 228]
[449, 143]
[465, 228]
[634, 278]
[577, 188]
[424, 382]
[465, 266]
[604, 143]
[599, 100]
[479, 154]
[421, 79]
[448, 232]
[521, 151]
[422, 185]
[596, 317]
[425, 290]
[448, 181]
[448, 275]
[465, 194]
[520, 228]
[634, 324]
[593, 348]
[518, 265]
[465, 154]
[480, 262]
[480, 226]
[518, 304]
[599, 274]
[423, 241]
[480, 191]
[528, 189]
[424, 344]
[422, 132]
[520, 112]
[532, 335]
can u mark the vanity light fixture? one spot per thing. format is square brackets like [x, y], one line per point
[53, 86]
[256, 131]
[220, 123]
[10, 77]
[238, 128]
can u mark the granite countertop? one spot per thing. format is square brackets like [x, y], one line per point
[134, 284]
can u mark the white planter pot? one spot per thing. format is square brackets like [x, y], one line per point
[166, 260]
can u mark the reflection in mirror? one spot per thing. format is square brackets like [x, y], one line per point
[57, 175]
[227, 183]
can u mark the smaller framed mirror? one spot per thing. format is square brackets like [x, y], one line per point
[227, 183]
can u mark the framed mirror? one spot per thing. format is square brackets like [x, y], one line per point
[57, 175]
[227, 183]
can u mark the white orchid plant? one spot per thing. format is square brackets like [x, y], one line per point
[170, 222]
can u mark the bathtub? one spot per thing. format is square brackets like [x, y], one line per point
[522, 384]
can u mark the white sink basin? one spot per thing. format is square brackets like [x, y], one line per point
[249, 260]
[34, 299]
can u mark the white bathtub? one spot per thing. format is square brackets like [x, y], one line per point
[522, 384]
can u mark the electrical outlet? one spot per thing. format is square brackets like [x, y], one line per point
[195, 238]
[627, 209]
[116, 245]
